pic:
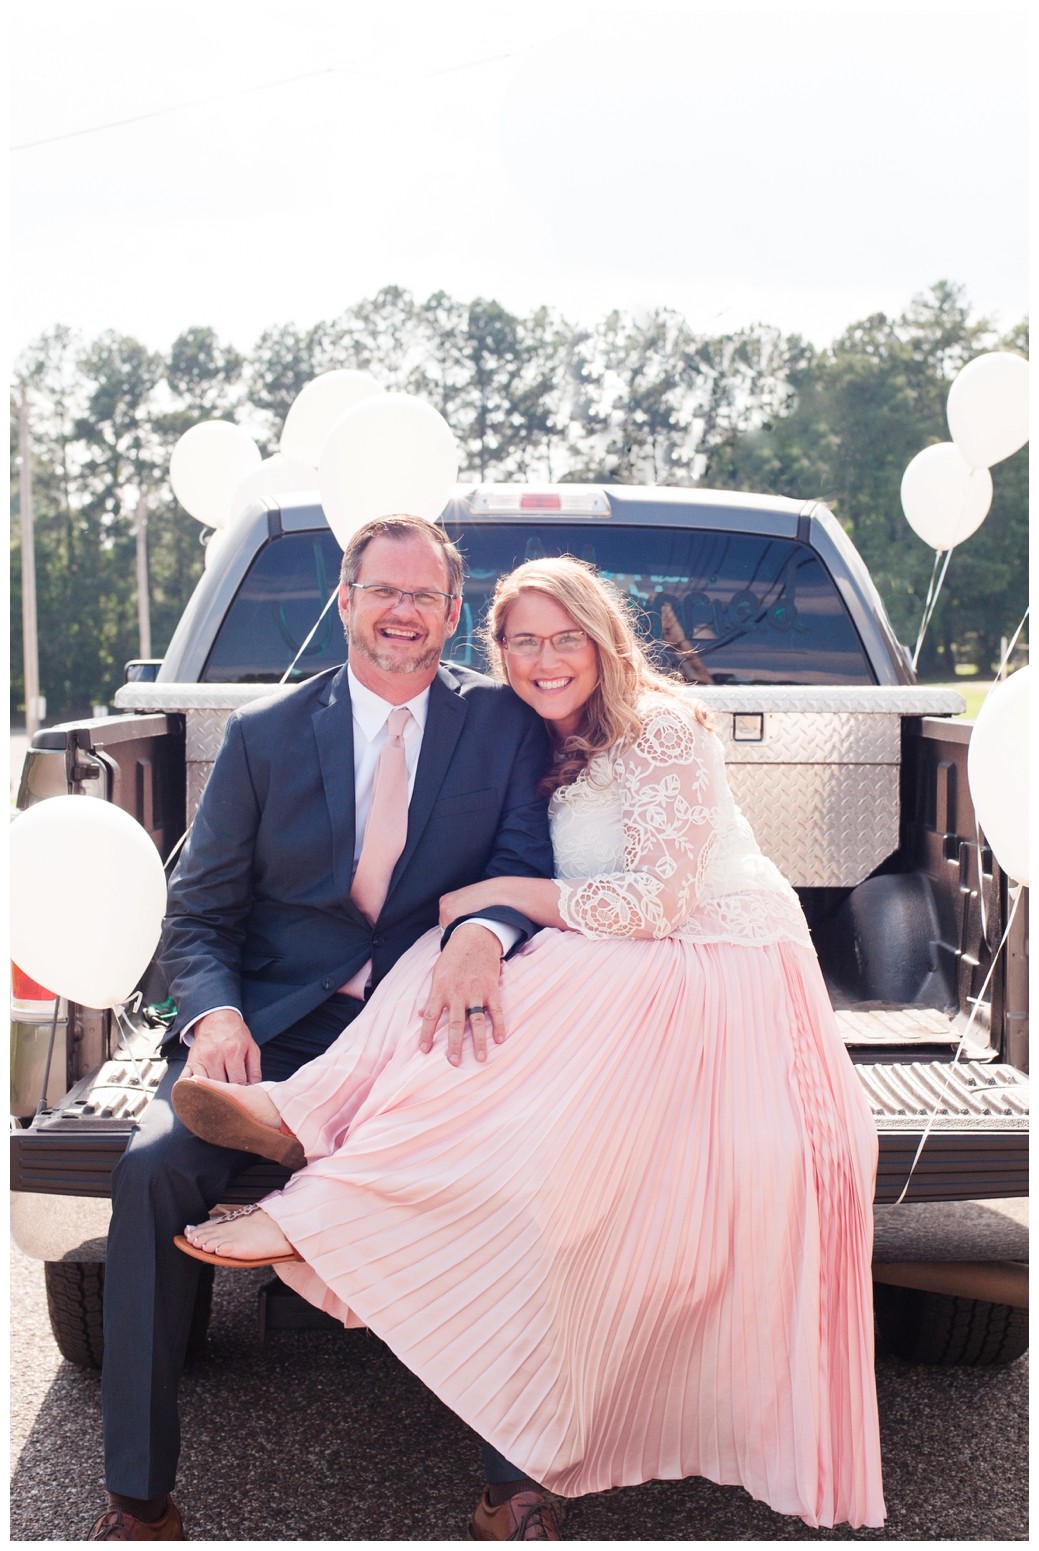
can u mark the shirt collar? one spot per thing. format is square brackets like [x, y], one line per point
[371, 710]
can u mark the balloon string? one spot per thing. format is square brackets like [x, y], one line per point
[128, 1031]
[168, 863]
[932, 598]
[42, 1104]
[310, 637]
[1013, 642]
[927, 606]
[977, 1000]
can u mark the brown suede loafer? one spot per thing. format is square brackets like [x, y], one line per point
[117, 1524]
[532, 1514]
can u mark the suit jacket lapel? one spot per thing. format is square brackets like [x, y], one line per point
[445, 719]
[334, 731]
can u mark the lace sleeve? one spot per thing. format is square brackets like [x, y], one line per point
[670, 787]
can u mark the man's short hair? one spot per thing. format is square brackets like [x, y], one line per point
[402, 527]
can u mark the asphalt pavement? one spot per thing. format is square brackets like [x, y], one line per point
[324, 1436]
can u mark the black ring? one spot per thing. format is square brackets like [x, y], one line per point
[470, 1010]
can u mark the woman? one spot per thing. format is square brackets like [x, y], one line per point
[649, 1212]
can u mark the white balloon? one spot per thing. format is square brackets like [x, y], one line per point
[89, 944]
[208, 464]
[318, 406]
[944, 500]
[997, 772]
[274, 476]
[390, 455]
[987, 408]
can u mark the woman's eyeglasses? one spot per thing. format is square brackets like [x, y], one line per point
[566, 642]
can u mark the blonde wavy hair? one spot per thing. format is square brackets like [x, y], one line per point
[612, 715]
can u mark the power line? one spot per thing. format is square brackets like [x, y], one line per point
[177, 107]
[469, 64]
[264, 86]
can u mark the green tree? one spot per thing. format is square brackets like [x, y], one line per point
[69, 566]
[500, 381]
[541, 397]
[443, 368]
[490, 420]
[580, 448]
[204, 378]
[650, 366]
[859, 412]
[986, 586]
[122, 459]
[203, 375]
[748, 382]
[284, 359]
[382, 336]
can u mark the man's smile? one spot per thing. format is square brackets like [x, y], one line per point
[399, 632]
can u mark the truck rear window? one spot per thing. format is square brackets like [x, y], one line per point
[723, 608]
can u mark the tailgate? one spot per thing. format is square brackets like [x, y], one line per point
[976, 1149]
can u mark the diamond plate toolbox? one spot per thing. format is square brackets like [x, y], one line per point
[815, 770]
[205, 708]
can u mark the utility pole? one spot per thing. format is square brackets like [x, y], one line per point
[30, 653]
[144, 619]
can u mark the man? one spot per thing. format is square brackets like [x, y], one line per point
[269, 957]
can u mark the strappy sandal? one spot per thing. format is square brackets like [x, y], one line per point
[213, 1259]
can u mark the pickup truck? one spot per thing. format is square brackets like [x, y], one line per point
[852, 775]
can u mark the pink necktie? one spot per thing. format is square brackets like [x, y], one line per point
[385, 833]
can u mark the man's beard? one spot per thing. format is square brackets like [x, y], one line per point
[388, 663]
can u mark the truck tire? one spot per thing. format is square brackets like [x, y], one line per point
[75, 1304]
[75, 1300]
[928, 1327]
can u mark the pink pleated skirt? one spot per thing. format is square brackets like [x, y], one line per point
[636, 1242]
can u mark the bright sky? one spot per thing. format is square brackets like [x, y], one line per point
[240, 163]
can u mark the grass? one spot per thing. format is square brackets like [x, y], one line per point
[973, 692]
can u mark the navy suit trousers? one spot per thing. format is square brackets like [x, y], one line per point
[166, 1178]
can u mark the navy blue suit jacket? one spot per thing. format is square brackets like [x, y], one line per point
[259, 913]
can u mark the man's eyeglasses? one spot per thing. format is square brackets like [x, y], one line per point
[566, 642]
[425, 600]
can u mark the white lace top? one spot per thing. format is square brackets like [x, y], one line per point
[649, 843]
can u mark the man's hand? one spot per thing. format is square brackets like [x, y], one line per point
[465, 986]
[224, 1049]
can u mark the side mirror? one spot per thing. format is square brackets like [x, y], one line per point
[141, 670]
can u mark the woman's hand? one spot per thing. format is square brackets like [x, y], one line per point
[536, 898]
[472, 899]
